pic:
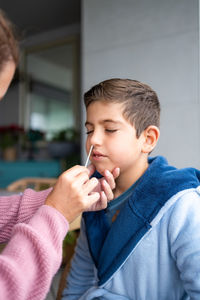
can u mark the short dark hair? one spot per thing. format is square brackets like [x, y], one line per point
[9, 49]
[141, 103]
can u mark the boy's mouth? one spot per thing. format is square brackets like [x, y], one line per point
[96, 154]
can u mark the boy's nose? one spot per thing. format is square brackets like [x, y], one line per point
[96, 138]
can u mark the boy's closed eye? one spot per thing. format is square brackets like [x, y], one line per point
[111, 130]
[107, 130]
[89, 131]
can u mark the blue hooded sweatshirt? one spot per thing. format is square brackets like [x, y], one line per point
[152, 250]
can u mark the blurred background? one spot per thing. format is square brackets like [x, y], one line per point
[69, 45]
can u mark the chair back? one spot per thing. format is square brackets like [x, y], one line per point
[34, 183]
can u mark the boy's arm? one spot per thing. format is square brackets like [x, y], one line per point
[184, 233]
[82, 273]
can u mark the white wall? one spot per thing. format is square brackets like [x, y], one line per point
[157, 42]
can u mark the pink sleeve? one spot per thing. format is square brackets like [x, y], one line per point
[33, 254]
[19, 209]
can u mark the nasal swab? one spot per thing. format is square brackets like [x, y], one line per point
[87, 160]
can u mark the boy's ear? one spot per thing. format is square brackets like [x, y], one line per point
[151, 135]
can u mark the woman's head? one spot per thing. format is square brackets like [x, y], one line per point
[9, 50]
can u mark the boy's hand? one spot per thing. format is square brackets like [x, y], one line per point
[105, 187]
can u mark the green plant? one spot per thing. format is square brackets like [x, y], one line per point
[70, 238]
[65, 145]
[10, 136]
[68, 245]
[66, 135]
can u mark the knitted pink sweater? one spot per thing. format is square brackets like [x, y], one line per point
[34, 251]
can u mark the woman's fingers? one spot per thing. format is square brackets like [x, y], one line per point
[99, 201]
[116, 172]
[80, 179]
[110, 177]
[92, 200]
[90, 185]
[91, 169]
[107, 189]
[74, 171]
[70, 194]
[108, 183]
[103, 201]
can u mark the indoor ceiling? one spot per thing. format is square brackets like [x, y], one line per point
[32, 17]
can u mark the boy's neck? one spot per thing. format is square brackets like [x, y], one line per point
[129, 177]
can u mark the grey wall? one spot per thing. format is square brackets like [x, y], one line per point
[154, 41]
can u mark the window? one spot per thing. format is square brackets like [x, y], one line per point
[51, 88]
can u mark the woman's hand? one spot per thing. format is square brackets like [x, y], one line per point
[71, 194]
[74, 191]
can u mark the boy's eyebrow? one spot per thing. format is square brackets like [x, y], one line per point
[104, 121]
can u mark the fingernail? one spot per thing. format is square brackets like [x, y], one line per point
[104, 181]
[107, 173]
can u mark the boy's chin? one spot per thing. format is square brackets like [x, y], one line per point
[102, 169]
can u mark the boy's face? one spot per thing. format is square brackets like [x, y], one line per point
[113, 137]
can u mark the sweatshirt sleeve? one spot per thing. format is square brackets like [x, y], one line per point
[32, 256]
[184, 237]
[34, 251]
[19, 209]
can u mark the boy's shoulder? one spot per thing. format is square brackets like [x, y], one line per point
[180, 207]
[158, 185]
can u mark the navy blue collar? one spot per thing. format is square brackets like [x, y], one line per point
[109, 247]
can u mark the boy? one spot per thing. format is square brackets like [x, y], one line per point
[146, 244]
